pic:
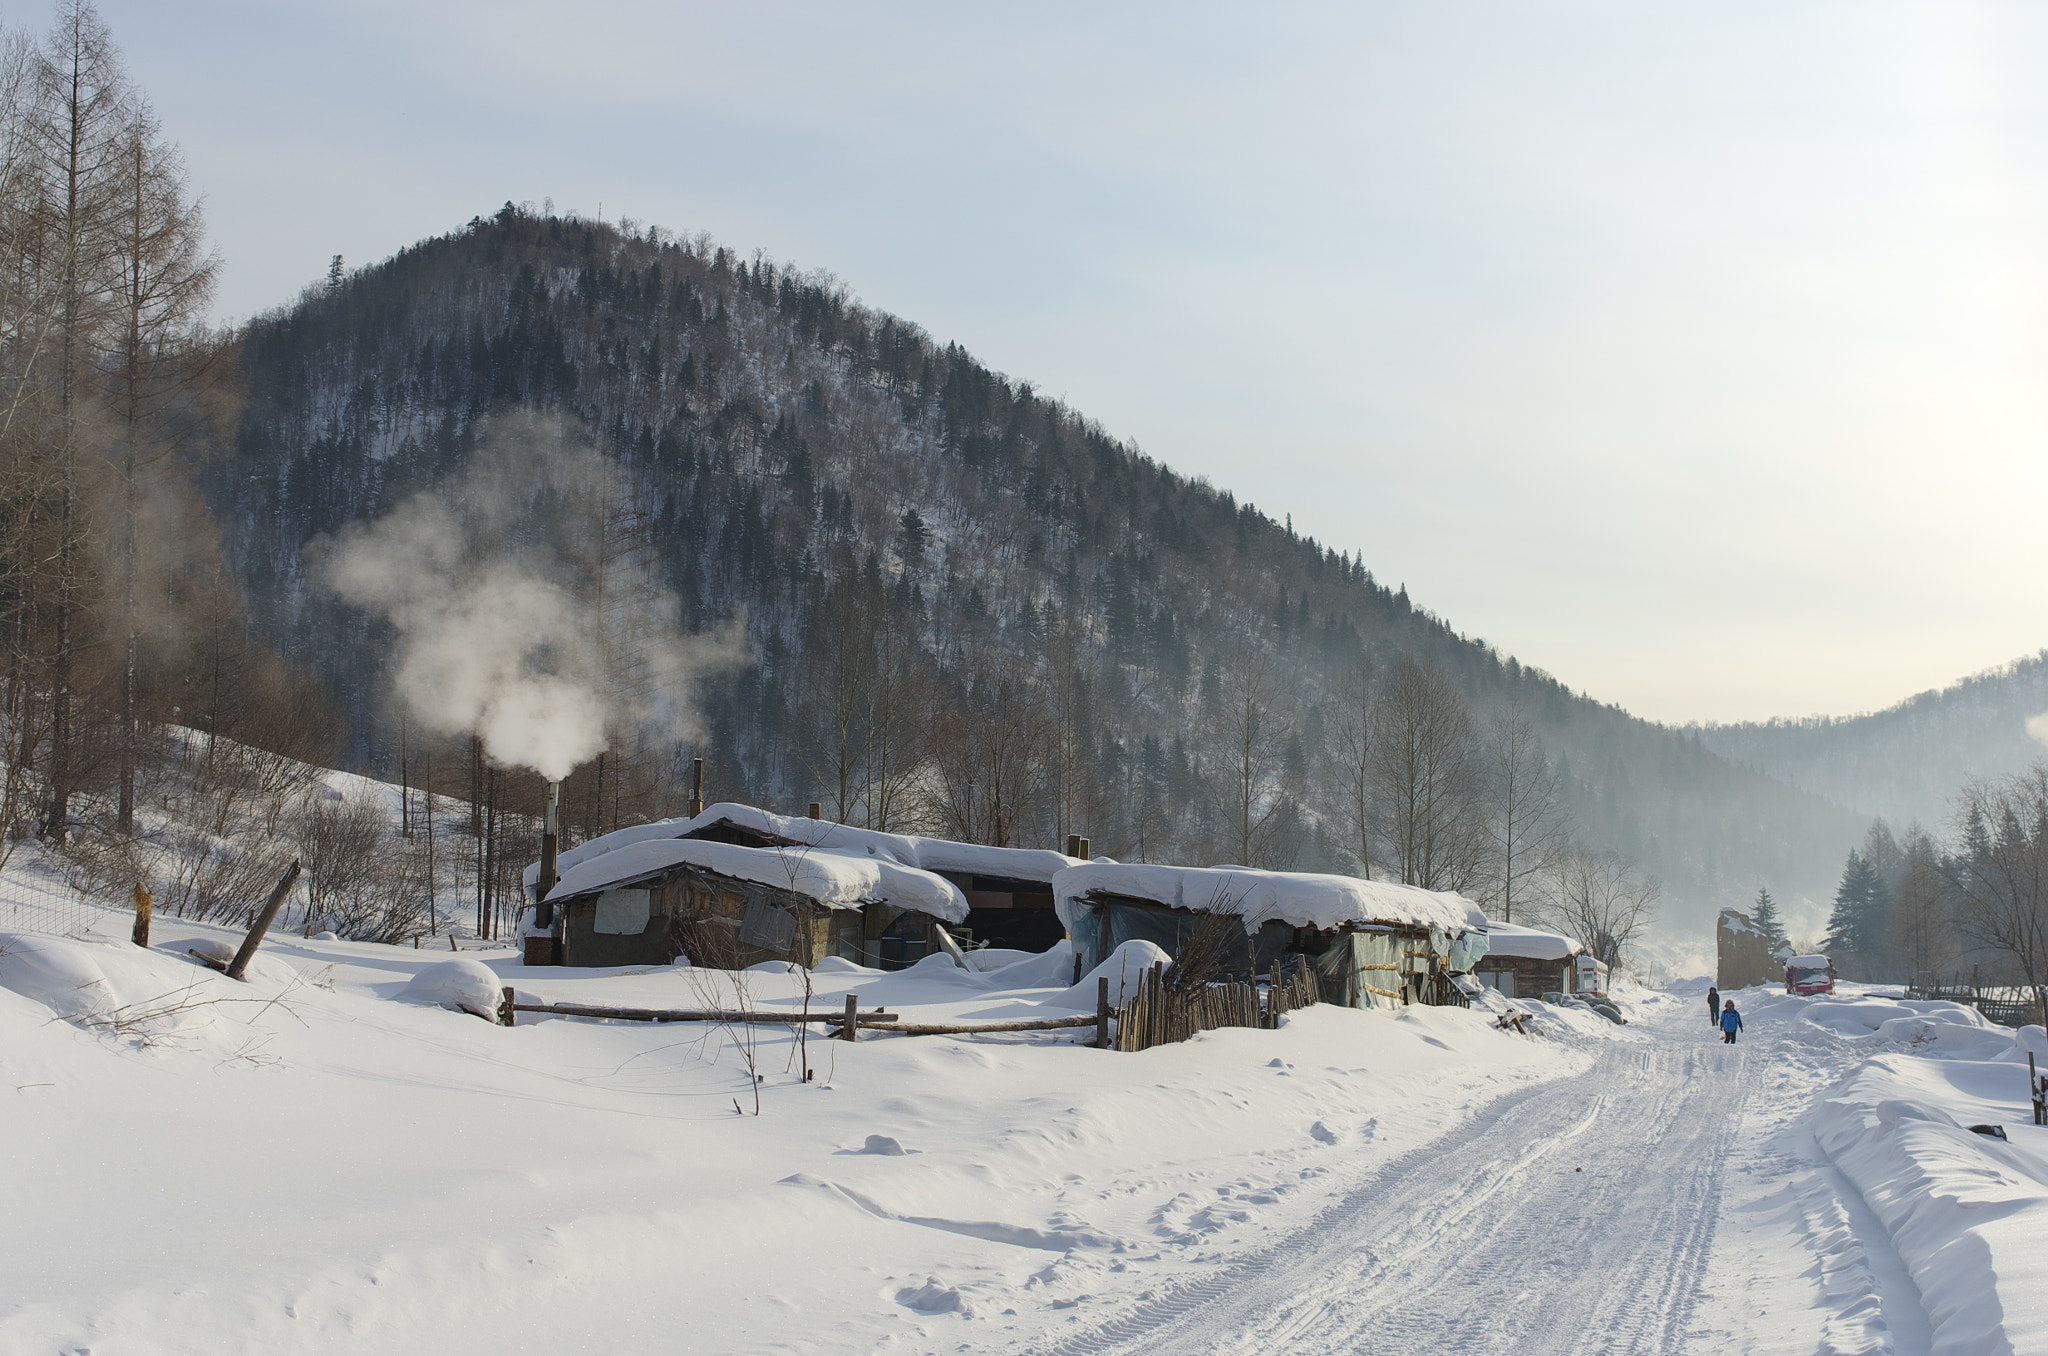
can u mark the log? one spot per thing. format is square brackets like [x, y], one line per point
[263, 921]
[952, 1029]
[698, 1014]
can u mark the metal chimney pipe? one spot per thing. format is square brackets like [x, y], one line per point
[696, 805]
[550, 849]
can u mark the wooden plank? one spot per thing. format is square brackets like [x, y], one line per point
[963, 1029]
[703, 1014]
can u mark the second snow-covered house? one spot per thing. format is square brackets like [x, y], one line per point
[1528, 963]
[1373, 944]
[792, 888]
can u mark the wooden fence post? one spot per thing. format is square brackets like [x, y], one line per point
[849, 1028]
[145, 904]
[1102, 1013]
[263, 921]
[506, 1015]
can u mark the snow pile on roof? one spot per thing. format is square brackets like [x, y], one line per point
[1511, 939]
[833, 879]
[1808, 962]
[1295, 897]
[1123, 968]
[819, 835]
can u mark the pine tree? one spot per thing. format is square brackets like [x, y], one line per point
[1857, 921]
[1766, 920]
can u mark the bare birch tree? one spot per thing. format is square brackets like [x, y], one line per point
[1527, 828]
[1351, 753]
[1426, 766]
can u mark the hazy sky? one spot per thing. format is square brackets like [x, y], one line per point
[1697, 353]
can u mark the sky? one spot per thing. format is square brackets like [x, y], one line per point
[1694, 353]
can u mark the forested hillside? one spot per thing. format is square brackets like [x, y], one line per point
[1907, 762]
[970, 607]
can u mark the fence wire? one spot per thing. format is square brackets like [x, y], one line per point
[32, 901]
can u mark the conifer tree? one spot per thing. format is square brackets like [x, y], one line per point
[1766, 919]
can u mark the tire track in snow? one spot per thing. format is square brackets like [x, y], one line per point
[1576, 1215]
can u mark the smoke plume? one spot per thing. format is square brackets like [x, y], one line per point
[526, 606]
[2037, 729]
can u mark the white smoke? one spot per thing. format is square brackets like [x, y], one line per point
[2037, 729]
[514, 623]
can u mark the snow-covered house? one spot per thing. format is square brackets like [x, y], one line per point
[1374, 944]
[892, 889]
[1526, 962]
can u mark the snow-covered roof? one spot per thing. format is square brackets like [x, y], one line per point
[1808, 962]
[1295, 897]
[1511, 939]
[822, 835]
[835, 879]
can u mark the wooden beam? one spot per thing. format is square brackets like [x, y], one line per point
[702, 1014]
[263, 921]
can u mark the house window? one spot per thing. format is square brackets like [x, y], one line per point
[622, 913]
[768, 926]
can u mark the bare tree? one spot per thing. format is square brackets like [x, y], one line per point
[2000, 873]
[1426, 766]
[1602, 899]
[1528, 826]
[1248, 735]
[1351, 753]
[88, 111]
[1922, 929]
[165, 277]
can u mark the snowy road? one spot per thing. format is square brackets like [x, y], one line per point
[1577, 1215]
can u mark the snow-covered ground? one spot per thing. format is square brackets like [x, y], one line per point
[325, 1160]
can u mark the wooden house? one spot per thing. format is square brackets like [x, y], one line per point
[1527, 963]
[998, 896]
[1373, 944]
[727, 905]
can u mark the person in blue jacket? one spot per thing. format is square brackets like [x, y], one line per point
[1731, 1022]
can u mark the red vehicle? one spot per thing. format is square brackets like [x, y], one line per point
[1809, 975]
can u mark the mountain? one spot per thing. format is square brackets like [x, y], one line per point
[1050, 622]
[1903, 763]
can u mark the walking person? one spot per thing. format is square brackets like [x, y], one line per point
[1713, 1006]
[1731, 1022]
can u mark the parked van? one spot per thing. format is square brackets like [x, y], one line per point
[1809, 975]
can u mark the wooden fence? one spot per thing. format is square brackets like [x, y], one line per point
[1161, 1013]
[2005, 1006]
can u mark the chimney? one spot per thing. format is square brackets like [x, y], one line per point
[696, 805]
[1073, 845]
[817, 809]
[550, 848]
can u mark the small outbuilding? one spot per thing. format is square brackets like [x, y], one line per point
[1373, 944]
[1527, 962]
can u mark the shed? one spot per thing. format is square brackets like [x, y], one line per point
[1007, 892]
[725, 904]
[1374, 944]
[1527, 962]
